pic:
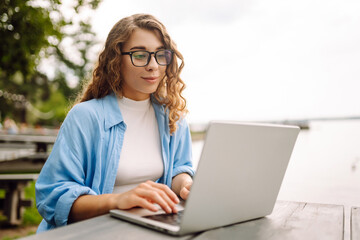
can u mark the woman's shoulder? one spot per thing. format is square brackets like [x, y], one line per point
[87, 107]
[91, 108]
[95, 111]
[86, 113]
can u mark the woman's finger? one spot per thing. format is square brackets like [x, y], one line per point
[184, 193]
[144, 203]
[166, 189]
[147, 194]
[165, 193]
[152, 195]
[164, 196]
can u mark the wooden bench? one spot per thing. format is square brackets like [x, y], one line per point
[41, 141]
[31, 163]
[13, 204]
[23, 153]
[355, 223]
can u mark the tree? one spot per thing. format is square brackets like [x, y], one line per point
[31, 32]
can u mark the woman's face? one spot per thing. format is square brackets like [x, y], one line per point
[139, 82]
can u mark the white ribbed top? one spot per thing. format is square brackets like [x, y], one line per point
[140, 157]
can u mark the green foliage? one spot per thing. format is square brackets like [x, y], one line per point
[31, 214]
[24, 31]
[56, 103]
[31, 33]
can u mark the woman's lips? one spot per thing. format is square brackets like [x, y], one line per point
[150, 79]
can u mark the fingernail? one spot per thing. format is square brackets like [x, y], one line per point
[169, 210]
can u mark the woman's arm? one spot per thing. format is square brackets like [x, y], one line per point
[144, 195]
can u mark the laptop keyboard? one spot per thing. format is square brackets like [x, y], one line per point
[171, 218]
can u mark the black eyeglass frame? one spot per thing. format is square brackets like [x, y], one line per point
[150, 53]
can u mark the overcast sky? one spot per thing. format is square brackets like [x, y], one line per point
[259, 60]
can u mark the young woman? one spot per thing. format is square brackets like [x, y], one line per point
[126, 144]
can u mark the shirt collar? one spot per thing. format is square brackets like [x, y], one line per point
[113, 115]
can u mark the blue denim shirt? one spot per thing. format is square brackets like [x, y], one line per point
[85, 157]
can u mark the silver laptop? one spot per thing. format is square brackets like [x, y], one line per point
[238, 179]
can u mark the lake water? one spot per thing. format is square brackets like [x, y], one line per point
[324, 166]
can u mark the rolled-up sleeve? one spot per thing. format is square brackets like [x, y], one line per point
[183, 153]
[62, 179]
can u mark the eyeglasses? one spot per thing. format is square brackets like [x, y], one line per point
[142, 58]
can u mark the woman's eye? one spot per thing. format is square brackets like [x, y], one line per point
[139, 56]
[161, 55]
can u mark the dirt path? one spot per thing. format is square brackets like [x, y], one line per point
[17, 231]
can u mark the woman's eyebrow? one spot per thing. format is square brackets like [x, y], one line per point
[144, 48]
[138, 47]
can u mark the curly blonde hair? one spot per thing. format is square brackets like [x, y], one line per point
[106, 77]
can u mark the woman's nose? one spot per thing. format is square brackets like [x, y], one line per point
[153, 65]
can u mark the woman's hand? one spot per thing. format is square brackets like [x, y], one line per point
[185, 189]
[145, 195]
[181, 185]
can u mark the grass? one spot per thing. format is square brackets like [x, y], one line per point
[17, 236]
[2, 196]
[198, 136]
[31, 215]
